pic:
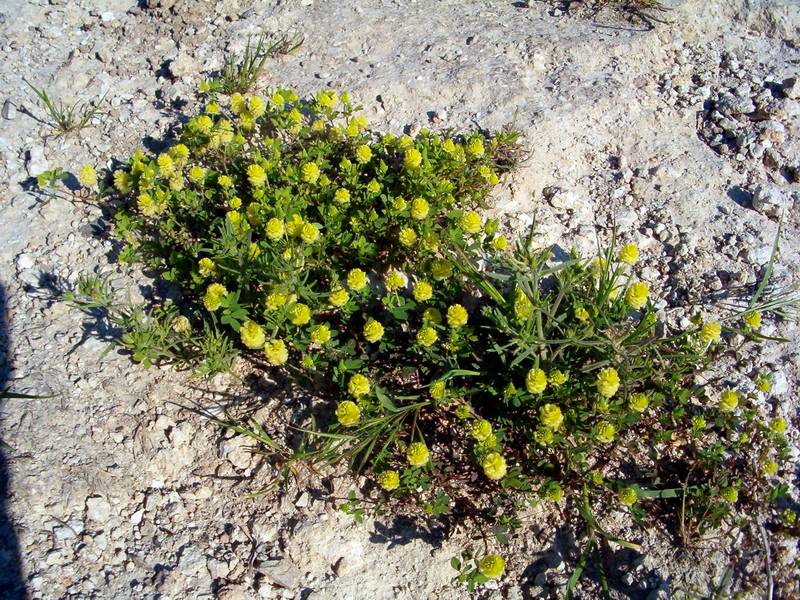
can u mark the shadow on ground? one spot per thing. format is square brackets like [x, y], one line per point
[11, 583]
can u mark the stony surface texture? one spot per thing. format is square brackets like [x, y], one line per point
[685, 136]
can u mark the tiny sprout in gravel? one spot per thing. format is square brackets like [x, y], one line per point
[468, 376]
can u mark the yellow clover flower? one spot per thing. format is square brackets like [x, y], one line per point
[224, 181]
[419, 208]
[407, 237]
[710, 333]
[432, 315]
[500, 243]
[412, 159]
[639, 402]
[494, 466]
[417, 454]
[310, 172]
[475, 147]
[214, 294]
[770, 468]
[543, 437]
[299, 314]
[427, 336]
[358, 386]
[628, 496]
[604, 432]
[256, 175]
[607, 382]
[553, 492]
[122, 180]
[166, 166]
[197, 174]
[252, 335]
[338, 297]
[729, 494]
[778, 425]
[348, 413]
[457, 316]
[363, 154]
[87, 176]
[274, 229]
[389, 480]
[276, 352]
[422, 291]
[394, 280]
[441, 269]
[728, 401]
[438, 390]
[320, 334]
[309, 233]
[341, 196]
[206, 267]
[471, 222]
[481, 430]
[581, 314]
[557, 378]
[523, 307]
[637, 295]
[551, 416]
[491, 566]
[536, 381]
[373, 331]
[356, 280]
[629, 254]
[181, 325]
[752, 319]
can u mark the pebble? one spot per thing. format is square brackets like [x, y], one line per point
[282, 572]
[98, 509]
[9, 110]
[35, 162]
[772, 200]
[624, 218]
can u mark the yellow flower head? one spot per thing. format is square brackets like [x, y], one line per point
[637, 295]
[166, 166]
[417, 454]
[604, 432]
[278, 99]
[328, 99]
[581, 314]
[769, 467]
[197, 174]
[363, 154]
[214, 294]
[553, 492]
[320, 334]
[399, 204]
[438, 390]
[310, 172]
[419, 208]
[255, 106]
[412, 159]
[122, 180]
[457, 316]
[341, 196]
[252, 335]
[394, 280]
[471, 222]
[536, 381]
[557, 378]
[752, 319]
[294, 226]
[422, 291]
[238, 104]
[338, 297]
[224, 181]
[523, 307]
[763, 383]
[449, 146]
[373, 187]
[256, 175]
[543, 436]
[628, 496]
[310, 233]
[373, 331]
[551, 416]
[427, 336]
[500, 243]
[481, 430]
[356, 280]
[206, 267]
[491, 566]
[728, 401]
[348, 413]
[389, 480]
[407, 237]
[181, 325]
[629, 254]
[441, 269]
[475, 147]
[710, 333]
[299, 314]
[358, 386]
[778, 425]
[87, 176]
[274, 229]
[276, 352]
[639, 402]
[494, 466]
[203, 123]
[729, 494]
[607, 382]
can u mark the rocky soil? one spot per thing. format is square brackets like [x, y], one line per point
[685, 136]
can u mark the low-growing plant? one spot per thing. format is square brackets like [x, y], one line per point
[648, 12]
[241, 73]
[470, 377]
[65, 118]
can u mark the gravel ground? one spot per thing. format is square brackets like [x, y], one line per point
[685, 136]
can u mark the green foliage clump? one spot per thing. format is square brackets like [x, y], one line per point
[467, 377]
